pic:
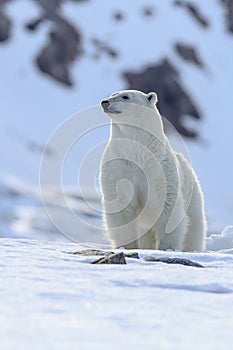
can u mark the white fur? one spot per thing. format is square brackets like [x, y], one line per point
[150, 194]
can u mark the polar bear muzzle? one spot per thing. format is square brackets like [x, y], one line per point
[108, 107]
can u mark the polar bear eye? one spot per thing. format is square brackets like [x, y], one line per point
[125, 97]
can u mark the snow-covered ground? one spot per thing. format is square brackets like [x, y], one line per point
[50, 299]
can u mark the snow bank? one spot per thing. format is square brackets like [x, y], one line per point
[224, 240]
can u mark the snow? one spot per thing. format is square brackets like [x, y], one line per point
[50, 299]
[221, 241]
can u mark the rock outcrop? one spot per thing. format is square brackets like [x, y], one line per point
[174, 102]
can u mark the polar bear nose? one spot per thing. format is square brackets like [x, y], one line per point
[105, 103]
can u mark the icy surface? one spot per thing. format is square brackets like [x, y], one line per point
[53, 300]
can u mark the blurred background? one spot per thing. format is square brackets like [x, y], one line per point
[59, 57]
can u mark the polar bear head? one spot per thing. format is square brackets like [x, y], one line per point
[128, 102]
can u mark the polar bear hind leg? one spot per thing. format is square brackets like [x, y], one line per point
[195, 237]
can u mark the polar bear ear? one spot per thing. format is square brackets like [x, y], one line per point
[152, 97]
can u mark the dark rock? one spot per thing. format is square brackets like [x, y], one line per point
[56, 57]
[89, 252]
[108, 257]
[34, 147]
[102, 47]
[189, 54]
[174, 102]
[185, 262]
[194, 12]
[33, 25]
[5, 23]
[132, 255]
[118, 16]
[104, 253]
[118, 258]
[148, 11]
[228, 4]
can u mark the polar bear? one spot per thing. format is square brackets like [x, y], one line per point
[151, 197]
